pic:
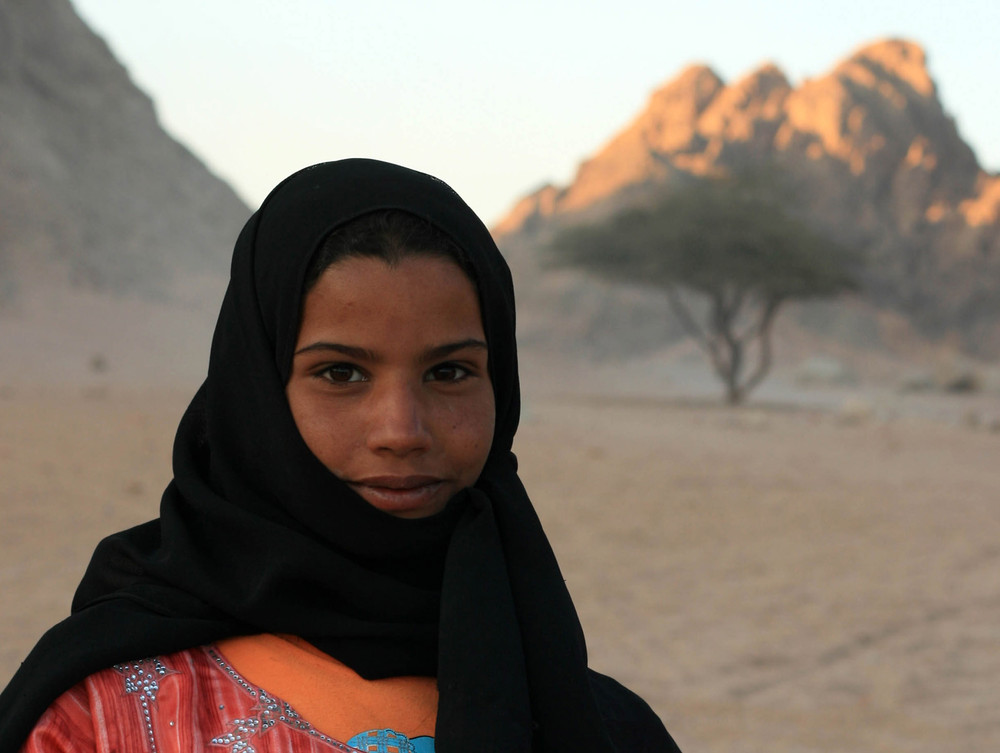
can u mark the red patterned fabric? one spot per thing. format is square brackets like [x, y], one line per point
[189, 701]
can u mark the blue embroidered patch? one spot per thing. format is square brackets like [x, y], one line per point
[390, 741]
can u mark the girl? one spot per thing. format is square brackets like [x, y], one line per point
[345, 559]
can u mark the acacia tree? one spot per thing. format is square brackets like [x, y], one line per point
[733, 244]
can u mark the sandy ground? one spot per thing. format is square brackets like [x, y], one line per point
[770, 579]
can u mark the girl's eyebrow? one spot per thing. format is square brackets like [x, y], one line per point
[363, 354]
[441, 351]
[352, 351]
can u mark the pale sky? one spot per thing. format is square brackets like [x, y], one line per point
[495, 99]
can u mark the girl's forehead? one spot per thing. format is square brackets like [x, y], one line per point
[417, 298]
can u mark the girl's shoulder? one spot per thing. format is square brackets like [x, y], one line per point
[632, 724]
[177, 702]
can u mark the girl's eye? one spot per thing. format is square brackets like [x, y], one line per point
[342, 373]
[447, 372]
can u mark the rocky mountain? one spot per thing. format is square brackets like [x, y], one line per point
[95, 195]
[867, 149]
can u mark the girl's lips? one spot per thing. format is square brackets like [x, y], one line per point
[396, 482]
[404, 496]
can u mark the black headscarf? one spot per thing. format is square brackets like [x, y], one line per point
[256, 535]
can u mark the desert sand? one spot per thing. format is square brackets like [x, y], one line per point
[770, 578]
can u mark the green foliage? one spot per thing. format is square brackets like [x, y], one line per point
[731, 241]
[712, 238]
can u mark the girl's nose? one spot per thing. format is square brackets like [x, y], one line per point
[398, 422]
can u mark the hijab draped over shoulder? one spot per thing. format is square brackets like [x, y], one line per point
[256, 535]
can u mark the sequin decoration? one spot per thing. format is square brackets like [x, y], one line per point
[142, 679]
[267, 712]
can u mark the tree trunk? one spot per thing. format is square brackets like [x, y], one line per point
[734, 393]
[728, 349]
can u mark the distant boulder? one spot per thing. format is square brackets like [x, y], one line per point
[958, 378]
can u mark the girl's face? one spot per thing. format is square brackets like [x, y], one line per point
[389, 384]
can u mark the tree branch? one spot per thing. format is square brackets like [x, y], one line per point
[687, 320]
[764, 329]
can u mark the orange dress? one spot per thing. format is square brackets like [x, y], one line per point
[258, 694]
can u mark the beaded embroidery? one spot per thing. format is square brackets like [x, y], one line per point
[267, 712]
[143, 677]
